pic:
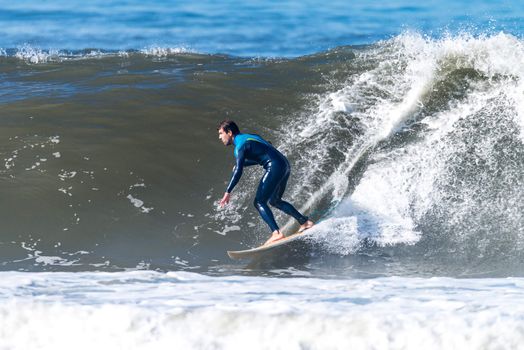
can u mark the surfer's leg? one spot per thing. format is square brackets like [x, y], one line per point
[265, 189]
[276, 200]
[264, 192]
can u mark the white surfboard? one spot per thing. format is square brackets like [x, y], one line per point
[249, 253]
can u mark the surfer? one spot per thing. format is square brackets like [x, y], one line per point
[251, 149]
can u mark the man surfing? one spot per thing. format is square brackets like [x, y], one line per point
[251, 149]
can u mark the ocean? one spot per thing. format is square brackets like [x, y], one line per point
[404, 126]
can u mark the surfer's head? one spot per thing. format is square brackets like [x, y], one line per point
[227, 130]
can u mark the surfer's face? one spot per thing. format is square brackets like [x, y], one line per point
[225, 137]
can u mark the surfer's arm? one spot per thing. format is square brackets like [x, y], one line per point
[237, 172]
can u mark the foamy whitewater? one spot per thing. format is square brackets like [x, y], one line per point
[183, 310]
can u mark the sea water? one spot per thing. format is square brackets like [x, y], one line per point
[183, 310]
[404, 127]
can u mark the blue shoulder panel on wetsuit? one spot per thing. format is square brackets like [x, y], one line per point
[241, 139]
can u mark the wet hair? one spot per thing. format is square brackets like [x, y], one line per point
[229, 125]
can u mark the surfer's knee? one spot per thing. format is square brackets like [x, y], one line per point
[259, 204]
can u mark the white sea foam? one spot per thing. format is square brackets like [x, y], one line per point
[164, 51]
[41, 259]
[148, 310]
[228, 229]
[401, 184]
[139, 204]
[27, 144]
[35, 55]
[64, 175]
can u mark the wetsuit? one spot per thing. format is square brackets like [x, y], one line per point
[250, 150]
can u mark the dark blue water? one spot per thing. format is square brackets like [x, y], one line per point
[244, 28]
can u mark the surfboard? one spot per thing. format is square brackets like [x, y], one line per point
[249, 253]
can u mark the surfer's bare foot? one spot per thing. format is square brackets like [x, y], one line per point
[308, 224]
[275, 236]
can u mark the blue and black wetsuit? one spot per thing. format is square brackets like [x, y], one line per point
[252, 149]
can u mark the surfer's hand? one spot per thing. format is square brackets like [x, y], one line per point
[225, 199]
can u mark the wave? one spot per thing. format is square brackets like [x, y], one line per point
[441, 135]
[88, 309]
[35, 55]
[408, 152]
